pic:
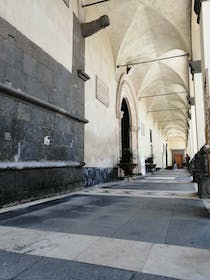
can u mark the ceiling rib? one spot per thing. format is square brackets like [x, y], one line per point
[176, 120]
[169, 109]
[164, 94]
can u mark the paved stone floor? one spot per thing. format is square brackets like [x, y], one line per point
[148, 228]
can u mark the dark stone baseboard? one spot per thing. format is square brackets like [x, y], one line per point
[95, 175]
[25, 185]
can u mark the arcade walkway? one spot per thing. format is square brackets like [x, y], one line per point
[150, 228]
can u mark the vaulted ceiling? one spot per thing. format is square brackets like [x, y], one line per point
[145, 30]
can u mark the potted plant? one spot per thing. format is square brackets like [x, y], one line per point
[126, 162]
[150, 166]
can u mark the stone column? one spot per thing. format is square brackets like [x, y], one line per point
[205, 40]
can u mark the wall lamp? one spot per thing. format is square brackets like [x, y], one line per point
[82, 75]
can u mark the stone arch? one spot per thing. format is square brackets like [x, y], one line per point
[125, 125]
[126, 91]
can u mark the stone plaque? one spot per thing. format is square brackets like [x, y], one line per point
[102, 91]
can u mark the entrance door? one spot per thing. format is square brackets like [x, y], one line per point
[179, 160]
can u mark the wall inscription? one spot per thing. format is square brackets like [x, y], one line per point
[102, 91]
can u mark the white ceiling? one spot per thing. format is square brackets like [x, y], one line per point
[143, 30]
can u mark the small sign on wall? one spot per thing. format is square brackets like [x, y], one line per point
[102, 91]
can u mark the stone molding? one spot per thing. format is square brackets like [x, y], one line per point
[18, 94]
[38, 164]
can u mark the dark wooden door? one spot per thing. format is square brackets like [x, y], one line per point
[179, 160]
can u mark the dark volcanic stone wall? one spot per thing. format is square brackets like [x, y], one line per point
[94, 175]
[24, 125]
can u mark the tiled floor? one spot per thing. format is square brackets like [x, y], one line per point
[144, 229]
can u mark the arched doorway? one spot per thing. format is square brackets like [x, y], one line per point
[125, 126]
[178, 157]
[126, 113]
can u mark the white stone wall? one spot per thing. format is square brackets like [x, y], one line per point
[197, 123]
[101, 149]
[205, 35]
[148, 122]
[48, 23]
[205, 23]
[196, 37]
[200, 113]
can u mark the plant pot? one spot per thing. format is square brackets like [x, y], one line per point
[150, 167]
[127, 168]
